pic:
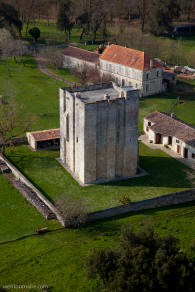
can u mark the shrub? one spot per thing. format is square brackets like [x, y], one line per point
[73, 210]
[125, 200]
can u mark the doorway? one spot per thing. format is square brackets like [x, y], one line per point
[178, 149]
[170, 140]
[185, 152]
[158, 138]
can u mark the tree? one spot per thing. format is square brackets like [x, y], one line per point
[10, 47]
[83, 20]
[12, 123]
[35, 33]
[73, 210]
[143, 262]
[9, 19]
[161, 14]
[143, 11]
[64, 21]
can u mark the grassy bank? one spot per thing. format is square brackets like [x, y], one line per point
[165, 175]
[58, 259]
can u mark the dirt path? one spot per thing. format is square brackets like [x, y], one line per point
[42, 67]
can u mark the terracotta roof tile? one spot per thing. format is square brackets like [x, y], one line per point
[171, 126]
[81, 54]
[128, 57]
[46, 134]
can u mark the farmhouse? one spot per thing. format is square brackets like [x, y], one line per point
[99, 132]
[79, 58]
[47, 139]
[165, 129]
[132, 68]
[126, 67]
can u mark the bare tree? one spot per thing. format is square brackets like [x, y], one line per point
[12, 123]
[73, 210]
[52, 57]
[12, 48]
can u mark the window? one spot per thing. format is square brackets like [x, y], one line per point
[110, 67]
[129, 83]
[136, 85]
[177, 141]
[67, 128]
[104, 65]
[147, 87]
[117, 69]
[157, 73]
[149, 124]
[130, 73]
[64, 105]
[147, 76]
[193, 155]
[122, 70]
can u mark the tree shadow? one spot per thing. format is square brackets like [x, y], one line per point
[112, 226]
[162, 172]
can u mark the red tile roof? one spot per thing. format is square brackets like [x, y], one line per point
[170, 126]
[46, 135]
[81, 54]
[129, 57]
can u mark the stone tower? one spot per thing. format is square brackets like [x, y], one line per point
[99, 132]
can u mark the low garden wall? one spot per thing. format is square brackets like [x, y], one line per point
[156, 202]
[19, 176]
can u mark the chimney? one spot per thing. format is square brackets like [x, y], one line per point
[106, 96]
[151, 63]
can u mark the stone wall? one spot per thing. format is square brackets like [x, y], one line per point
[156, 202]
[20, 177]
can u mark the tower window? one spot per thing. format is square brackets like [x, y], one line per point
[67, 128]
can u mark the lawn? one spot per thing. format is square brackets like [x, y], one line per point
[58, 258]
[165, 175]
[17, 216]
[35, 90]
[185, 89]
[65, 73]
[51, 35]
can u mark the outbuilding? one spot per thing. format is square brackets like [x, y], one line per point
[46, 139]
[165, 129]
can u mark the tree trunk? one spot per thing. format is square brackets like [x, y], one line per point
[27, 25]
[82, 33]
[66, 36]
[3, 149]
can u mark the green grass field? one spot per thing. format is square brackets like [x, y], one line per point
[65, 73]
[52, 179]
[35, 90]
[17, 216]
[57, 259]
[51, 35]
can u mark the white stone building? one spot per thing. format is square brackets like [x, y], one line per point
[165, 129]
[79, 59]
[99, 132]
[46, 139]
[129, 67]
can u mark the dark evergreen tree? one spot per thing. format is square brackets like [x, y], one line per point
[143, 262]
[35, 33]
